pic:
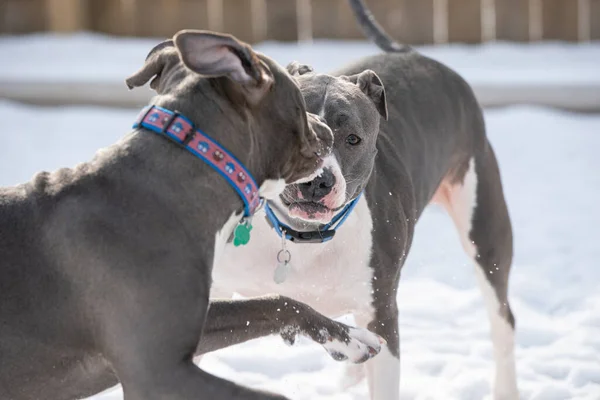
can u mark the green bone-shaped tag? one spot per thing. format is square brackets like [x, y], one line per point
[241, 235]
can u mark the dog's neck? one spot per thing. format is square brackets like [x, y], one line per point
[228, 121]
[205, 197]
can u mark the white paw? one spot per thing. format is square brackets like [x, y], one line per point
[361, 346]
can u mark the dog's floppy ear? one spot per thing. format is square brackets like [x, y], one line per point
[295, 68]
[371, 85]
[154, 65]
[217, 55]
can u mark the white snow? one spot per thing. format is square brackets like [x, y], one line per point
[87, 56]
[550, 167]
[85, 67]
[551, 172]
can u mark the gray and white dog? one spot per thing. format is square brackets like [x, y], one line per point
[105, 268]
[408, 131]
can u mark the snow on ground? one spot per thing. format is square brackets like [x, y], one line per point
[88, 68]
[87, 56]
[551, 172]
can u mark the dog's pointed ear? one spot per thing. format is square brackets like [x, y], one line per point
[153, 66]
[371, 85]
[217, 55]
[296, 69]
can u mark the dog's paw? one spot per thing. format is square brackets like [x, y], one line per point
[341, 341]
[357, 346]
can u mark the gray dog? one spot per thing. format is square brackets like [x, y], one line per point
[105, 268]
[419, 140]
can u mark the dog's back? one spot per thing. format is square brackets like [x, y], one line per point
[417, 88]
[452, 164]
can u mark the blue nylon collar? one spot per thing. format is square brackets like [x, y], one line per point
[325, 234]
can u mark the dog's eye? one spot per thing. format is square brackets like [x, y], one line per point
[353, 140]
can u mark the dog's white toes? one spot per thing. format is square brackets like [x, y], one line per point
[362, 346]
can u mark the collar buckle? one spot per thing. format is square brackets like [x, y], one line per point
[189, 135]
[169, 122]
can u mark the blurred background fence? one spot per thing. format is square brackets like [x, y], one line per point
[410, 21]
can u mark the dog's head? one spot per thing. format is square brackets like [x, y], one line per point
[352, 106]
[244, 99]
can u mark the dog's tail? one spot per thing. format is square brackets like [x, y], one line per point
[373, 30]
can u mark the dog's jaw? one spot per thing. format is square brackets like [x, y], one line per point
[325, 209]
[311, 212]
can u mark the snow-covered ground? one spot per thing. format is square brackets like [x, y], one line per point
[86, 56]
[88, 68]
[551, 171]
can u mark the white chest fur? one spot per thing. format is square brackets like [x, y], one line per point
[333, 277]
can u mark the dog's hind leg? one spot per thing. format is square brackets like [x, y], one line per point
[477, 206]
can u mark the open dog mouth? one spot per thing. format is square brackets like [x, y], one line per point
[309, 207]
[309, 211]
[317, 200]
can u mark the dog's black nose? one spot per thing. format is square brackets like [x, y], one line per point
[319, 187]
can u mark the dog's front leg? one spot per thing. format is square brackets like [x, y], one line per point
[383, 372]
[231, 322]
[148, 329]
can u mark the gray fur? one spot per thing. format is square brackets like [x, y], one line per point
[408, 155]
[105, 268]
[434, 128]
[269, 315]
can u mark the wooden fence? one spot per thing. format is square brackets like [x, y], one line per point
[410, 21]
